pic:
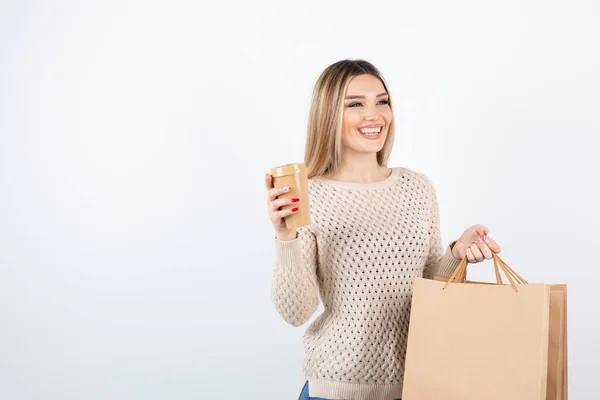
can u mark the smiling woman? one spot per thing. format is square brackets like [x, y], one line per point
[373, 230]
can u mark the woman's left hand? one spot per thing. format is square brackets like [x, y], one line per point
[476, 244]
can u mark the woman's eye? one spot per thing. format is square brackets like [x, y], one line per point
[357, 104]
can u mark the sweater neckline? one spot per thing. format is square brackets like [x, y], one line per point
[357, 185]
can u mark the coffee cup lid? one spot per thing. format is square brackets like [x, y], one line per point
[288, 169]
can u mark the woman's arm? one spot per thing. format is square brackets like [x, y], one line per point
[294, 288]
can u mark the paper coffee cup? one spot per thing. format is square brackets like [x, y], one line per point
[294, 175]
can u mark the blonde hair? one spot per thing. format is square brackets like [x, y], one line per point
[323, 152]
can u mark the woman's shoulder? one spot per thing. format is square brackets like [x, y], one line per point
[412, 173]
[420, 178]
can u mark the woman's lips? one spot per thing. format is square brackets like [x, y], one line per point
[371, 136]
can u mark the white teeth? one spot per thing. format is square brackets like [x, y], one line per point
[370, 130]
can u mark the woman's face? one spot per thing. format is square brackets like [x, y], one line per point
[367, 115]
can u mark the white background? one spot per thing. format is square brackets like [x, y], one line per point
[135, 247]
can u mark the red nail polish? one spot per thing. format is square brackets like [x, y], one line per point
[294, 209]
[295, 200]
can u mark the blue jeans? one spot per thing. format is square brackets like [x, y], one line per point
[304, 394]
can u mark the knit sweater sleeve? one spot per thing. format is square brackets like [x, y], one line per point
[438, 262]
[294, 288]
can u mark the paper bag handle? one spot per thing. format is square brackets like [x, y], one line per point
[460, 274]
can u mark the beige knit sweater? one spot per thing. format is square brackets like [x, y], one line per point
[365, 246]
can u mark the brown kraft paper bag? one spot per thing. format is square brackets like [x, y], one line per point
[472, 340]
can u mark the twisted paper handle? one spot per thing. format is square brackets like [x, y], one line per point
[460, 274]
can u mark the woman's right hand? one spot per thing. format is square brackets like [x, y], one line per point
[277, 215]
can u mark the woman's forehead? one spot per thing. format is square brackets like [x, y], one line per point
[365, 85]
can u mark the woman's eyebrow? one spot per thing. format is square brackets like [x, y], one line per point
[362, 97]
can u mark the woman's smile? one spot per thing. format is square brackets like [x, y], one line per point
[371, 132]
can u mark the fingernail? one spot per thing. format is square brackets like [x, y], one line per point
[286, 188]
[480, 240]
[487, 239]
[294, 209]
[295, 200]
